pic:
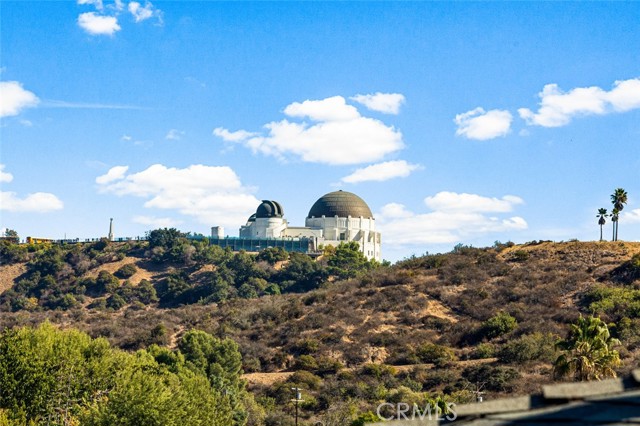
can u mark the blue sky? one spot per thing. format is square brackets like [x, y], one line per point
[456, 122]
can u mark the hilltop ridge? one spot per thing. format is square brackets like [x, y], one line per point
[429, 324]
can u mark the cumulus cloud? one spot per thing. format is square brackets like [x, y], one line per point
[98, 24]
[38, 202]
[455, 202]
[4, 176]
[483, 125]
[105, 22]
[388, 103]
[14, 98]
[339, 135]
[156, 222]
[142, 13]
[633, 216]
[558, 108]
[454, 218]
[114, 173]
[214, 195]
[174, 135]
[381, 172]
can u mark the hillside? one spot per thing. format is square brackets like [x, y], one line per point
[441, 324]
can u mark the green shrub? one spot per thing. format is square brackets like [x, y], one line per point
[520, 255]
[306, 362]
[484, 351]
[529, 347]
[126, 271]
[115, 302]
[378, 370]
[498, 325]
[497, 379]
[436, 354]
[306, 379]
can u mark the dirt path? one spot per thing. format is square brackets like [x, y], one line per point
[268, 379]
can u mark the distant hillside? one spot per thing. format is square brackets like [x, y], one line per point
[440, 324]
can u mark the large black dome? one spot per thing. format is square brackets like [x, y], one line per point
[269, 209]
[342, 204]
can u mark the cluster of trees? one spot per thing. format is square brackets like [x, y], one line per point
[618, 199]
[63, 377]
[240, 274]
[55, 277]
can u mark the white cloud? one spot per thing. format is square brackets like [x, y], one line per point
[329, 109]
[5, 176]
[14, 98]
[97, 3]
[38, 202]
[633, 216]
[114, 173]
[393, 211]
[174, 135]
[142, 13]
[482, 125]
[237, 136]
[340, 135]
[455, 202]
[558, 108]
[381, 172]
[388, 103]
[126, 137]
[625, 95]
[213, 195]
[156, 222]
[98, 24]
[448, 223]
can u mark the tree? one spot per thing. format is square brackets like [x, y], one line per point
[588, 352]
[64, 377]
[220, 361]
[348, 261]
[614, 222]
[618, 199]
[10, 233]
[170, 245]
[602, 214]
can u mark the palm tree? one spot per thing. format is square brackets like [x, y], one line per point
[618, 199]
[614, 222]
[588, 351]
[602, 214]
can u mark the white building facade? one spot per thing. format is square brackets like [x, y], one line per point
[336, 217]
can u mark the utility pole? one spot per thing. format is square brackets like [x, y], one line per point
[298, 399]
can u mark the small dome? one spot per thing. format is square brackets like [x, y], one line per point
[341, 204]
[269, 209]
[252, 218]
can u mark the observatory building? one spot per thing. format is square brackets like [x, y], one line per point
[335, 218]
